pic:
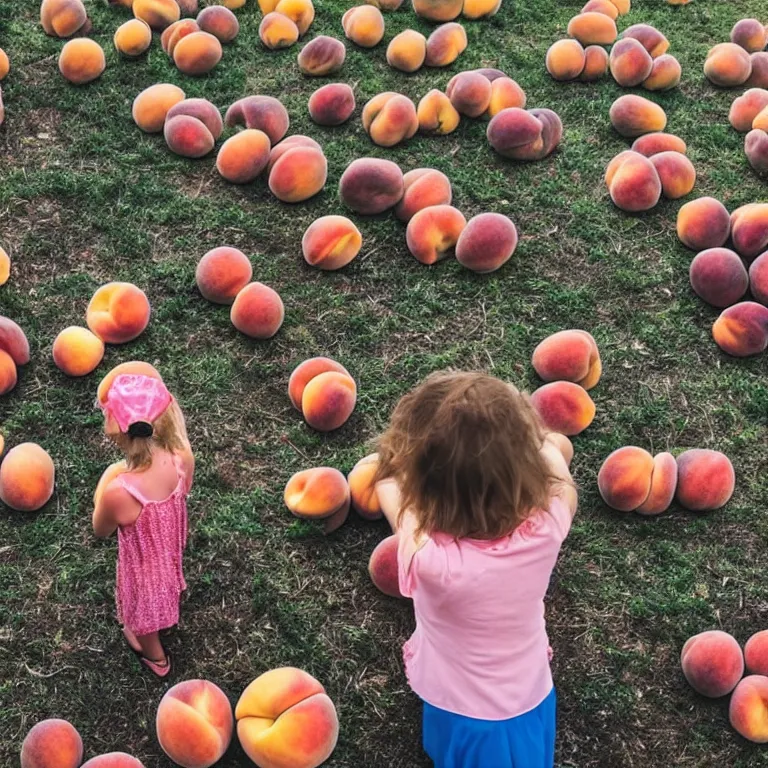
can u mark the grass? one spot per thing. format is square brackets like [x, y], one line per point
[86, 198]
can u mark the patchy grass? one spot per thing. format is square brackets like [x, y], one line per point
[86, 198]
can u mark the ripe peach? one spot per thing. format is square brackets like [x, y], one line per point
[114, 760]
[423, 187]
[747, 709]
[305, 372]
[436, 114]
[77, 352]
[370, 185]
[390, 118]
[151, 106]
[649, 37]
[202, 110]
[63, 18]
[703, 223]
[630, 63]
[383, 568]
[652, 143]
[758, 278]
[328, 400]
[194, 723]
[565, 59]
[742, 330]
[52, 744]
[257, 311]
[332, 104]
[505, 94]
[445, 45]
[175, 32]
[82, 60]
[244, 156]
[5, 64]
[663, 485]
[750, 34]
[386, 5]
[719, 277]
[746, 108]
[220, 22]
[133, 367]
[676, 173]
[490, 74]
[264, 113]
[190, 7]
[564, 407]
[298, 174]
[5, 267]
[132, 38]
[602, 6]
[480, 9]
[197, 54]
[758, 77]
[705, 479]
[285, 719]
[13, 341]
[633, 182]
[187, 136]
[727, 65]
[592, 28]
[363, 25]
[712, 663]
[749, 229]
[622, 6]
[222, 273]
[277, 31]
[331, 242]
[8, 373]
[118, 312]
[292, 142]
[665, 75]
[27, 478]
[596, 63]
[407, 51]
[631, 480]
[157, 13]
[470, 93]
[300, 12]
[756, 653]
[321, 56]
[486, 243]
[568, 356]
[525, 135]
[320, 493]
[438, 10]
[362, 490]
[432, 232]
[633, 116]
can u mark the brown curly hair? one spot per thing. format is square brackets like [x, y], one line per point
[465, 449]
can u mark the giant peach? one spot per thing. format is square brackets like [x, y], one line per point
[649, 37]
[13, 341]
[705, 479]
[630, 63]
[187, 136]
[63, 18]
[299, 173]
[305, 372]
[362, 488]
[596, 63]
[132, 38]
[52, 744]
[665, 75]
[505, 94]
[200, 109]
[220, 22]
[331, 242]
[118, 312]
[564, 407]
[750, 34]
[565, 59]
[758, 278]
[480, 9]
[77, 351]
[197, 54]
[320, 493]
[632, 116]
[593, 28]
[486, 243]
[749, 229]
[602, 6]
[322, 56]
[300, 12]
[438, 10]
[407, 51]
[747, 708]
[176, 32]
[113, 760]
[727, 65]
[432, 232]
[291, 142]
[436, 114]
[383, 568]
[222, 273]
[756, 150]
[445, 45]
[257, 311]
[157, 13]
[277, 31]
[363, 25]
[470, 93]
[631, 480]
[676, 173]
[8, 373]
[633, 182]
[758, 76]
[712, 663]
[525, 134]
[650, 144]
[27, 478]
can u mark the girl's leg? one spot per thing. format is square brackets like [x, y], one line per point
[152, 648]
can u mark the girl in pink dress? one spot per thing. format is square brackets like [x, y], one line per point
[144, 499]
[482, 498]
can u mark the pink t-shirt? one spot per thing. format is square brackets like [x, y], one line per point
[480, 648]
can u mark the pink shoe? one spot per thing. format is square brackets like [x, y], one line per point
[158, 669]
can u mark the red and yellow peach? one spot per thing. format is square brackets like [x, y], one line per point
[300, 12]
[676, 173]
[244, 156]
[748, 707]
[750, 34]
[565, 59]
[445, 45]
[27, 479]
[13, 341]
[157, 13]
[307, 371]
[187, 136]
[525, 134]
[630, 63]
[64, 18]
[742, 329]
[727, 65]
[113, 760]
[175, 32]
[665, 75]
[712, 663]
[631, 480]
[758, 278]
[749, 229]
[633, 182]
[436, 114]
[222, 273]
[370, 185]
[277, 31]
[390, 118]
[703, 223]
[77, 351]
[564, 407]
[568, 356]
[505, 94]
[632, 116]
[719, 277]
[264, 113]
[486, 243]
[52, 744]
[331, 242]
[480, 9]
[433, 232]
[596, 63]
[383, 568]
[322, 56]
[132, 38]
[151, 106]
[470, 93]
[82, 60]
[705, 479]
[257, 311]
[220, 22]
[652, 143]
[8, 373]
[756, 150]
[292, 142]
[438, 10]
[332, 104]
[197, 54]
[593, 28]
[407, 51]
[756, 653]
[320, 493]
[423, 187]
[649, 37]
[298, 174]
[328, 400]
[363, 25]
[362, 489]
[602, 6]
[5, 267]
[118, 312]
[758, 76]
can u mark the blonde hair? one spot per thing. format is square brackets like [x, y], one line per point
[465, 449]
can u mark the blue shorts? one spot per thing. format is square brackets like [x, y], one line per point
[525, 741]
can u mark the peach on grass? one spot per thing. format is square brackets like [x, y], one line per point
[370, 185]
[703, 223]
[633, 182]
[632, 116]
[602, 6]
[300, 12]
[489, 73]
[200, 109]
[445, 45]
[438, 10]
[749, 229]
[151, 106]
[264, 113]
[305, 372]
[322, 56]
[407, 51]
[332, 104]
[63, 18]
[363, 25]
[52, 744]
[175, 32]
[197, 54]
[570, 355]
[328, 400]
[194, 724]
[525, 134]
[727, 65]
[27, 478]
[8, 373]
[285, 719]
[596, 63]
[331, 242]
[758, 77]
[652, 143]
[191, 7]
[132, 367]
[222, 273]
[756, 653]
[470, 93]
[383, 568]
[423, 187]
[390, 118]
[13, 341]
[623, 6]
[187, 136]
[5, 267]
[5, 64]
[132, 38]
[244, 156]
[220, 22]
[118, 312]
[705, 479]
[320, 493]
[292, 142]
[665, 75]
[593, 28]
[77, 351]
[486, 243]
[565, 59]
[750, 34]
[432, 232]
[630, 63]
[362, 490]
[712, 663]
[719, 277]
[436, 114]
[748, 707]
[564, 407]
[758, 278]
[277, 31]
[756, 150]
[676, 173]
[742, 329]
[113, 760]
[299, 173]
[257, 311]
[505, 94]
[82, 60]
[157, 13]
[649, 37]
[480, 9]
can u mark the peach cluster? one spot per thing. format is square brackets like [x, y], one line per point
[382, 567]
[27, 478]
[525, 134]
[320, 493]
[64, 18]
[570, 355]
[14, 352]
[192, 127]
[447, 10]
[749, 114]
[640, 58]
[324, 392]
[284, 22]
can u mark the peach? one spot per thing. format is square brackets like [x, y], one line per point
[432, 232]
[386, 5]
[194, 723]
[705, 479]
[665, 75]
[632, 116]
[133, 367]
[363, 25]
[5, 267]
[231, 4]
[13, 341]
[445, 45]
[257, 311]
[157, 13]
[436, 114]
[362, 489]
[470, 93]
[332, 104]
[742, 329]
[758, 278]
[622, 6]
[187, 136]
[390, 118]
[652, 143]
[190, 7]
[222, 273]
[438, 10]
[292, 142]
[197, 54]
[27, 478]
[676, 173]
[114, 760]
[630, 63]
[268, 6]
[5, 64]
[77, 351]
[151, 106]
[264, 113]
[82, 60]
[63, 18]
[8, 373]
[286, 720]
[564, 407]
[277, 31]
[592, 28]
[602, 6]
[320, 493]
[480, 9]
[322, 56]
[307, 371]
[202, 110]
[407, 51]
[331, 242]
[328, 400]
[649, 37]
[383, 568]
[749, 229]
[747, 709]
[712, 663]
[663, 485]
[758, 77]
[244, 156]
[133, 38]
[220, 22]
[423, 187]
[298, 174]
[719, 277]
[727, 65]
[525, 135]
[756, 653]
[118, 312]
[490, 74]
[568, 356]
[486, 243]
[703, 223]
[596, 63]
[178, 30]
[565, 59]
[370, 185]
[300, 12]
[505, 94]
[631, 480]
[756, 150]
[52, 744]
[633, 182]
[750, 34]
